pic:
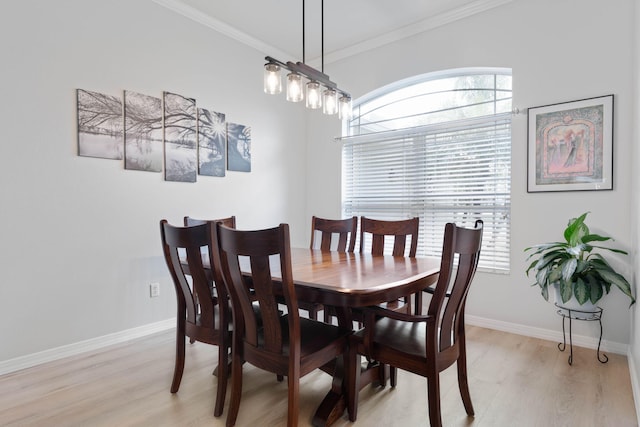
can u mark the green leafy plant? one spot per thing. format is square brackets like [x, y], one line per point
[572, 266]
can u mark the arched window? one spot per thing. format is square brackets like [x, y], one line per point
[436, 146]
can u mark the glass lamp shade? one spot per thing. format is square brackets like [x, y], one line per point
[272, 81]
[314, 98]
[294, 87]
[330, 102]
[344, 108]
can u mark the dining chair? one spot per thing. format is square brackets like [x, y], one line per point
[337, 235]
[201, 315]
[333, 234]
[425, 344]
[228, 221]
[375, 234]
[287, 345]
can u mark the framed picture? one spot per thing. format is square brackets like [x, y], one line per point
[570, 146]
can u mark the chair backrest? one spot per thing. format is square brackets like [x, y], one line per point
[343, 229]
[245, 258]
[460, 255]
[184, 249]
[398, 230]
[229, 221]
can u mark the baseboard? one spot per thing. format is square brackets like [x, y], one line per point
[57, 353]
[635, 386]
[545, 334]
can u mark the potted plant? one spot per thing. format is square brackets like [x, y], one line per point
[573, 269]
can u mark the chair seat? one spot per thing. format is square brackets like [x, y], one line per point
[406, 337]
[315, 335]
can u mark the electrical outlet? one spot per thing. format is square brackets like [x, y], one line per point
[154, 289]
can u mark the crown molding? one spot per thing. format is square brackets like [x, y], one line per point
[435, 21]
[425, 25]
[225, 29]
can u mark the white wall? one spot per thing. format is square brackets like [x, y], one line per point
[80, 236]
[558, 51]
[635, 208]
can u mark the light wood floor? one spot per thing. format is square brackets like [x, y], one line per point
[514, 381]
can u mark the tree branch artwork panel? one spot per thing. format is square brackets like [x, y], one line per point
[180, 138]
[212, 143]
[99, 125]
[238, 147]
[142, 132]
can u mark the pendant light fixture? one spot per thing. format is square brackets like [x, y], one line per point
[319, 90]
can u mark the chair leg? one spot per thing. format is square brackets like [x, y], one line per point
[352, 368]
[223, 372]
[393, 375]
[236, 390]
[433, 396]
[294, 396]
[418, 302]
[383, 374]
[463, 382]
[179, 364]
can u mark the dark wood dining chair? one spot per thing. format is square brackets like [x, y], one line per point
[201, 315]
[228, 221]
[396, 230]
[337, 235]
[333, 234]
[426, 344]
[287, 345]
[374, 233]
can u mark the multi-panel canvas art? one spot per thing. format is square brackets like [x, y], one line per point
[238, 147]
[150, 132]
[99, 125]
[180, 138]
[212, 138]
[142, 132]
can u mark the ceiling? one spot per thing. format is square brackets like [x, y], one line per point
[350, 26]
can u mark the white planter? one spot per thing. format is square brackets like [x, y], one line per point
[573, 303]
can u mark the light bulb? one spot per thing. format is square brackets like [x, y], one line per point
[294, 87]
[272, 81]
[314, 100]
[330, 102]
[344, 107]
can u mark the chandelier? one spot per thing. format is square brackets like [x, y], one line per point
[319, 91]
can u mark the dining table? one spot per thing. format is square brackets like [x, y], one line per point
[350, 280]
[347, 280]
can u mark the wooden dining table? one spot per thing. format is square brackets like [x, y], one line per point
[349, 280]
[345, 281]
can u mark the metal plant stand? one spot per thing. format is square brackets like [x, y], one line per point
[590, 316]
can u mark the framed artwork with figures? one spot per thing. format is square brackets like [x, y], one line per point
[570, 146]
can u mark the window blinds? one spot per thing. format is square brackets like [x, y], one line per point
[447, 172]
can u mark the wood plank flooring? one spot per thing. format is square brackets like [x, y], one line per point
[514, 381]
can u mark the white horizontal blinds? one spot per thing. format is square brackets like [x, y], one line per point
[453, 172]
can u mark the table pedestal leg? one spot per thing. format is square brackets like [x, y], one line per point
[334, 404]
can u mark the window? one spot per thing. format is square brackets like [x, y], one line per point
[437, 147]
